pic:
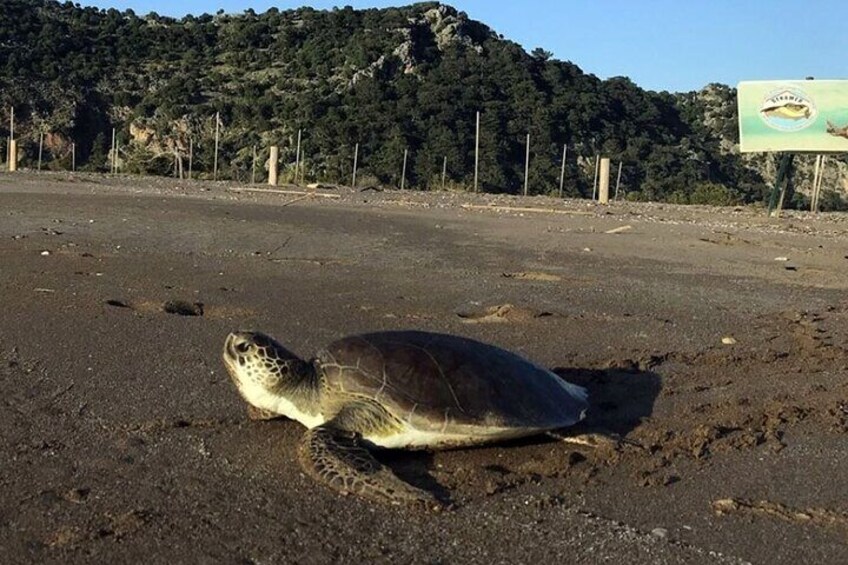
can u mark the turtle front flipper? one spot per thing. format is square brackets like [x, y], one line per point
[337, 458]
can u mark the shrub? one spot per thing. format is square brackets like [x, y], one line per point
[714, 194]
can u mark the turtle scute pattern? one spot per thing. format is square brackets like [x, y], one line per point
[428, 379]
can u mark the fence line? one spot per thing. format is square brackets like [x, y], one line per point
[299, 173]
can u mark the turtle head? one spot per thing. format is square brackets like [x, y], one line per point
[261, 368]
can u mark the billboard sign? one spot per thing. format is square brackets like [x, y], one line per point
[793, 115]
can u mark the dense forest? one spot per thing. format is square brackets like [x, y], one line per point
[389, 80]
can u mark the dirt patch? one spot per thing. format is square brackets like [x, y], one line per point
[770, 509]
[98, 397]
[502, 313]
[533, 276]
[184, 308]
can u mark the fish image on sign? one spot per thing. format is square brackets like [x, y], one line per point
[788, 110]
[795, 116]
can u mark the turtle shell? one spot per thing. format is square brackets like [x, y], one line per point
[435, 381]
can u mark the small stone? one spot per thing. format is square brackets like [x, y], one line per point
[783, 259]
[183, 308]
[725, 506]
[45, 253]
[728, 340]
[659, 532]
[77, 495]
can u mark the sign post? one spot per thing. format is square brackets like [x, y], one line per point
[781, 183]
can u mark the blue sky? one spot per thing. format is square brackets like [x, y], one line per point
[674, 45]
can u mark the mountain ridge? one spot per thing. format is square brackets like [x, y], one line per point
[391, 79]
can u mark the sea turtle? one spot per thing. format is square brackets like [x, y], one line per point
[397, 390]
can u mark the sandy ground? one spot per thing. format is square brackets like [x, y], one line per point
[124, 441]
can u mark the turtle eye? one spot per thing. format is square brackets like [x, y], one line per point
[243, 347]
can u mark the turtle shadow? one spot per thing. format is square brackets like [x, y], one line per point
[414, 468]
[619, 398]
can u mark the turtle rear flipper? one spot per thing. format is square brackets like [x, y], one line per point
[337, 458]
[595, 438]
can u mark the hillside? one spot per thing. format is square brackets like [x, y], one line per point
[401, 78]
